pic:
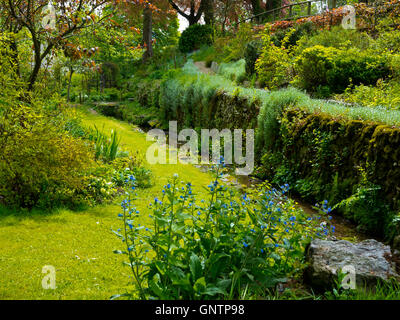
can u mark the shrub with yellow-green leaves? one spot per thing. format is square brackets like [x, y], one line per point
[328, 70]
[273, 67]
[39, 162]
[386, 94]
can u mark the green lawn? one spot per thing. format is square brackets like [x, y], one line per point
[78, 244]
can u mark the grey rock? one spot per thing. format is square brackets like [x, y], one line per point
[372, 260]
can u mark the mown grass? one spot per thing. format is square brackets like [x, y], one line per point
[78, 244]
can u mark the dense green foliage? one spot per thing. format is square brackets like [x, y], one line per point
[225, 246]
[194, 37]
[251, 55]
[62, 147]
[336, 169]
[184, 95]
[327, 70]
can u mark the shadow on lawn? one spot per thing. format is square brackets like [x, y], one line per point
[13, 216]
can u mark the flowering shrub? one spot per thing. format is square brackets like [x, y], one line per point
[227, 246]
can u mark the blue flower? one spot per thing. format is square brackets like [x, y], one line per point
[120, 215]
[245, 244]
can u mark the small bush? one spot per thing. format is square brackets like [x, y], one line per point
[234, 71]
[331, 70]
[194, 37]
[337, 37]
[235, 48]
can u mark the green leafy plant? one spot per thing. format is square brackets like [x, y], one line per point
[274, 64]
[107, 149]
[329, 70]
[228, 246]
[366, 206]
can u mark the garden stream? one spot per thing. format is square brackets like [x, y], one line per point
[344, 229]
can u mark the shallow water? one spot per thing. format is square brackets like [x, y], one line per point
[344, 228]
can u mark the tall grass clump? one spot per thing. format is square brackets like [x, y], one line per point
[272, 106]
[107, 149]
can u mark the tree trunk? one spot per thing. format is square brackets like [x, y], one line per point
[71, 72]
[147, 33]
[35, 72]
[256, 6]
[14, 56]
[208, 12]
